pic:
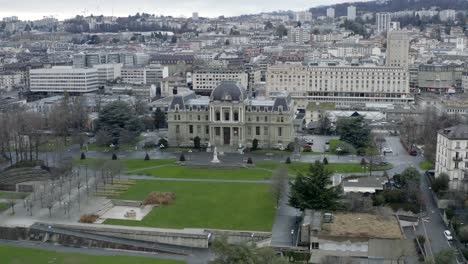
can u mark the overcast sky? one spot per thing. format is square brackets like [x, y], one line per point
[34, 9]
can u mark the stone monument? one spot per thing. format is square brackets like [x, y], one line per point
[215, 156]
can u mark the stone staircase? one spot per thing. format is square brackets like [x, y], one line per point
[20, 175]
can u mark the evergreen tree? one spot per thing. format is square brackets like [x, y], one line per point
[314, 191]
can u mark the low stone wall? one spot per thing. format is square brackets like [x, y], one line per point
[128, 203]
[235, 237]
[190, 238]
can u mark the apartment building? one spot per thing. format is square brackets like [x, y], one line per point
[64, 78]
[151, 74]
[298, 35]
[10, 80]
[206, 79]
[351, 13]
[383, 21]
[331, 12]
[343, 85]
[108, 72]
[452, 154]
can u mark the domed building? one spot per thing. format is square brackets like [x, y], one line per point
[230, 119]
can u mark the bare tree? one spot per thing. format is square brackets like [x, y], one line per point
[279, 183]
[11, 200]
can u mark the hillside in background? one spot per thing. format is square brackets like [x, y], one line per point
[392, 6]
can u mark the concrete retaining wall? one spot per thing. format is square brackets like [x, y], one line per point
[128, 203]
[190, 238]
[235, 237]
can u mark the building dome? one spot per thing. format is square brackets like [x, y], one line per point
[229, 91]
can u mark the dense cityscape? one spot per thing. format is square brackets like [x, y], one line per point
[334, 134]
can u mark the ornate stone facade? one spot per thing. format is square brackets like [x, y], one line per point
[230, 119]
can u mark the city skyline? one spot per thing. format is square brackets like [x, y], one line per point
[177, 8]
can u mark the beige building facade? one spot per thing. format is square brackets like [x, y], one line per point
[230, 119]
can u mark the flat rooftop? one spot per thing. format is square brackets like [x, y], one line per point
[362, 226]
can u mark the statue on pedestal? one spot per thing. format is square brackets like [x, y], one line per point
[215, 156]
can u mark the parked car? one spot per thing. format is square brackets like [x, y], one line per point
[387, 150]
[413, 152]
[307, 146]
[327, 148]
[448, 235]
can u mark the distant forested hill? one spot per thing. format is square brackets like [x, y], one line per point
[393, 6]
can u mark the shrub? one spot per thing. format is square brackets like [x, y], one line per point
[345, 148]
[325, 161]
[379, 200]
[307, 150]
[182, 158]
[83, 156]
[463, 234]
[147, 156]
[255, 144]
[363, 162]
[394, 196]
[196, 142]
[290, 147]
[163, 142]
[449, 213]
[465, 253]
[114, 157]
[163, 198]
[249, 160]
[288, 160]
[88, 218]
[421, 239]
[441, 183]
[148, 145]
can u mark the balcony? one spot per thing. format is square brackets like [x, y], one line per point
[458, 159]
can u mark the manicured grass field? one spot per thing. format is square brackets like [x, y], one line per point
[333, 144]
[426, 165]
[129, 164]
[19, 255]
[177, 171]
[4, 206]
[302, 167]
[15, 195]
[133, 164]
[233, 206]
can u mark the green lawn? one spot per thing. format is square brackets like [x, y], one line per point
[232, 206]
[54, 144]
[302, 167]
[4, 206]
[177, 171]
[15, 195]
[129, 164]
[19, 255]
[133, 164]
[333, 143]
[426, 165]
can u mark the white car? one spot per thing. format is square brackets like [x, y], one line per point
[387, 150]
[448, 235]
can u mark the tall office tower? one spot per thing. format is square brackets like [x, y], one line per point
[351, 12]
[331, 12]
[195, 16]
[397, 49]
[383, 22]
